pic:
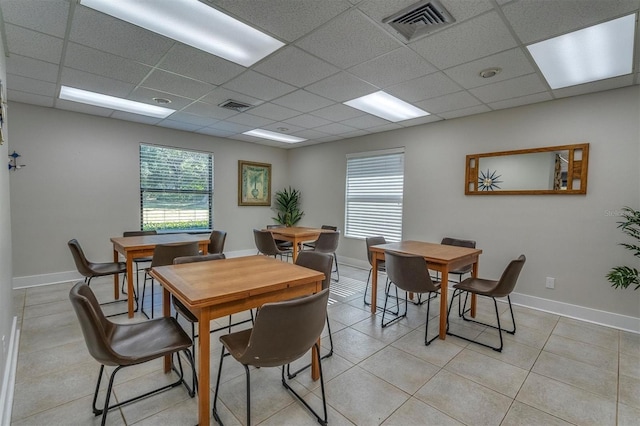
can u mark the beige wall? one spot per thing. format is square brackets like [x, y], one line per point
[571, 238]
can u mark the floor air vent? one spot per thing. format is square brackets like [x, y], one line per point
[235, 105]
[419, 19]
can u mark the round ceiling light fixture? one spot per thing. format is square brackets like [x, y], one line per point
[490, 72]
[162, 101]
[282, 129]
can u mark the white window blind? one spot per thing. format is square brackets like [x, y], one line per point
[176, 189]
[375, 184]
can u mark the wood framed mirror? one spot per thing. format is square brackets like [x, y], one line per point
[537, 171]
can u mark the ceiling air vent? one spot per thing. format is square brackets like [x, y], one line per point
[235, 105]
[419, 19]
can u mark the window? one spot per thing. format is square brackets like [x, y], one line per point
[375, 182]
[176, 189]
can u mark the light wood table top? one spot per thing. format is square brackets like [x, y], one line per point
[296, 235]
[143, 246]
[439, 257]
[222, 287]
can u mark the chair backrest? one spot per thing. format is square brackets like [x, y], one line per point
[216, 241]
[331, 227]
[139, 233]
[198, 258]
[448, 241]
[408, 272]
[265, 242]
[327, 242]
[285, 331]
[320, 262]
[95, 327]
[164, 254]
[82, 263]
[374, 241]
[507, 281]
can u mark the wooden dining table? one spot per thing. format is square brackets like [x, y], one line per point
[296, 235]
[143, 246]
[223, 287]
[440, 257]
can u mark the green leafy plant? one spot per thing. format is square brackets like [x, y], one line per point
[287, 204]
[624, 276]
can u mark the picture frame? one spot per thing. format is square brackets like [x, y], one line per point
[254, 183]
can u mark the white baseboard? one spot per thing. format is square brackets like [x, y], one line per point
[8, 382]
[45, 279]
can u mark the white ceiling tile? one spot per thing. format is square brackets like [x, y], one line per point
[385, 128]
[467, 41]
[450, 102]
[286, 19]
[214, 132]
[523, 100]
[103, 32]
[596, 86]
[252, 121]
[49, 17]
[365, 121]
[82, 108]
[34, 44]
[303, 101]
[348, 40]
[178, 125]
[190, 62]
[273, 112]
[307, 121]
[30, 85]
[465, 112]
[514, 88]
[228, 126]
[310, 134]
[95, 83]
[33, 68]
[335, 129]
[177, 84]
[295, 66]
[513, 63]
[30, 98]
[87, 59]
[208, 110]
[394, 67]
[422, 88]
[342, 87]
[196, 120]
[136, 118]
[418, 121]
[534, 21]
[259, 86]
[338, 112]
[280, 126]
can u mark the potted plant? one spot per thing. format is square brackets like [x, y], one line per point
[287, 204]
[624, 276]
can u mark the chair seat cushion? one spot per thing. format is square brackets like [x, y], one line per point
[477, 285]
[109, 268]
[183, 310]
[147, 340]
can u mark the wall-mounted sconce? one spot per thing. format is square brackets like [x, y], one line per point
[13, 161]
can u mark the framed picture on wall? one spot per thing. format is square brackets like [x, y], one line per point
[254, 184]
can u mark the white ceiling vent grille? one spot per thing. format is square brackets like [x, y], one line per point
[235, 105]
[419, 19]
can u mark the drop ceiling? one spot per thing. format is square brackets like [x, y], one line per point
[335, 50]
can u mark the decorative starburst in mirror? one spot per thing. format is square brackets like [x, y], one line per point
[488, 181]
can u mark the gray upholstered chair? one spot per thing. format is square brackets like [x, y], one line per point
[124, 345]
[374, 241]
[327, 243]
[409, 273]
[216, 241]
[285, 246]
[488, 288]
[282, 333]
[163, 254]
[311, 244]
[459, 243]
[267, 245]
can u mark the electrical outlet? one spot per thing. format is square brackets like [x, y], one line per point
[551, 282]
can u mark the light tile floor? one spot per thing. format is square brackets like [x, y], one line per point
[553, 371]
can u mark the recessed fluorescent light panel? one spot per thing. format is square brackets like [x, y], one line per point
[386, 106]
[594, 53]
[111, 102]
[280, 137]
[196, 24]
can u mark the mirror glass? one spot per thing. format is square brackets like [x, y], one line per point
[545, 170]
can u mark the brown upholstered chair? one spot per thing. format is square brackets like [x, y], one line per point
[89, 269]
[374, 241]
[124, 345]
[163, 255]
[409, 273]
[139, 260]
[459, 243]
[489, 288]
[320, 262]
[267, 245]
[216, 241]
[286, 246]
[327, 243]
[311, 244]
[283, 332]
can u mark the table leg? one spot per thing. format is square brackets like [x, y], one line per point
[374, 282]
[204, 391]
[443, 302]
[315, 364]
[116, 277]
[294, 255]
[130, 285]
